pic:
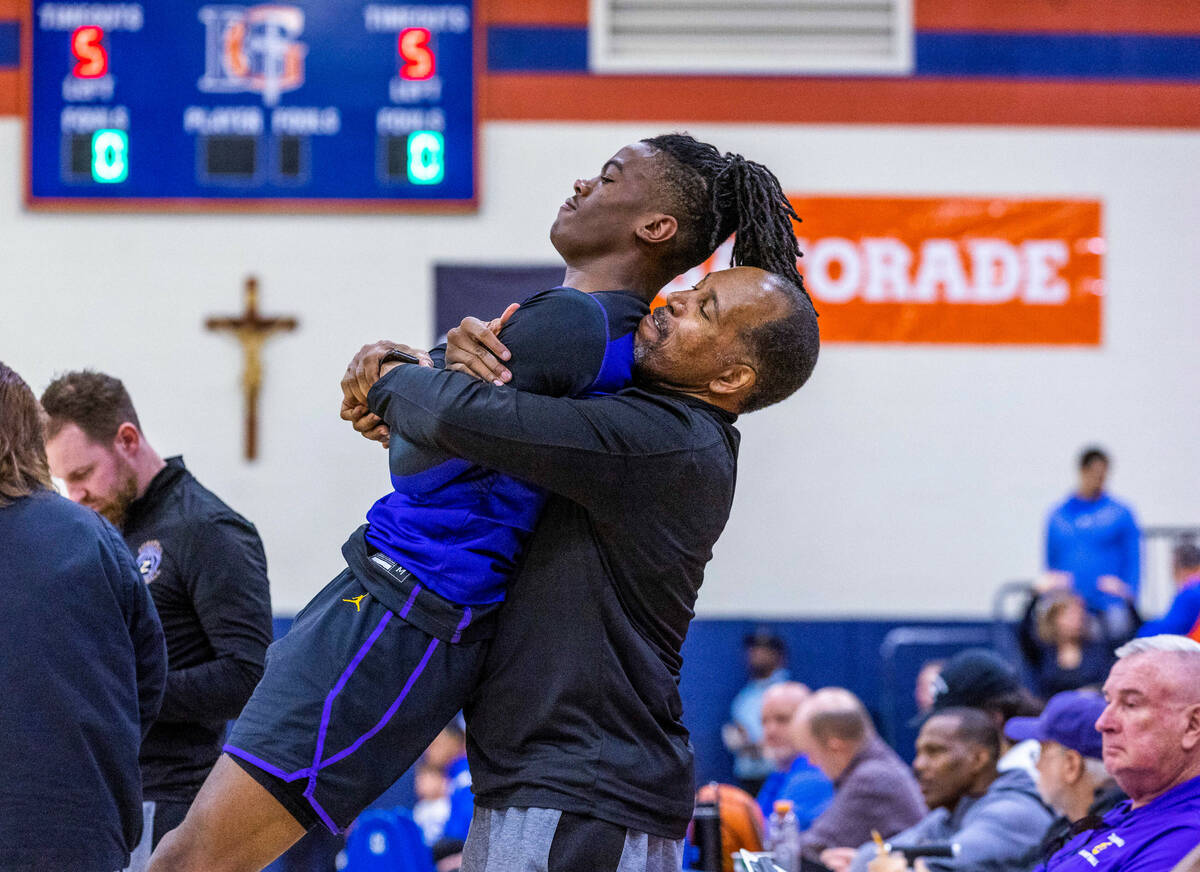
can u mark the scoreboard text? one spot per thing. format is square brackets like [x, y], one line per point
[277, 105]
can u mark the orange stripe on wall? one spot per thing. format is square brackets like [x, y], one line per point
[512, 97]
[557, 12]
[11, 100]
[1070, 16]
[13, 8]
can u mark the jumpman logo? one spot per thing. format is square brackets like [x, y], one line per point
[357, 600]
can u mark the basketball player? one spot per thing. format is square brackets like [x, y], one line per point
[380, 660]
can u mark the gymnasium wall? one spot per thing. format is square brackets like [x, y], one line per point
[904, 481]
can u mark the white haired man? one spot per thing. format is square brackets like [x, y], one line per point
[1150, 731]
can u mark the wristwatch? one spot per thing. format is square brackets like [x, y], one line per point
[398, 355]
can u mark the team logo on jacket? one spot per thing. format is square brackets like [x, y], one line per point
[149, 560]
[1090, 854]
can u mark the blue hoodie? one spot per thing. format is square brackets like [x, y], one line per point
[1091, 538]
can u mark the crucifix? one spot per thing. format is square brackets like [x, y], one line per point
[252, 329]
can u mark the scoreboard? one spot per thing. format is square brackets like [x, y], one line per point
[318, 104]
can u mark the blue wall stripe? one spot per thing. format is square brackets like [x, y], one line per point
[537, 49]
[947, 54]
[1058, 56]
[10, 44]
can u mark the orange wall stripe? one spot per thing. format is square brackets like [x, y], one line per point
[512, 97]
[1180, 17]
[10, 9]
[534, 12]
[11, 99]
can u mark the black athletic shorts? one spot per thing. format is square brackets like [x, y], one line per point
[353, 695]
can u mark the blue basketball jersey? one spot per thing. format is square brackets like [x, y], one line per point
[460, 528]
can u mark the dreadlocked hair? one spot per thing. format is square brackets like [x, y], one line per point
[715, 195]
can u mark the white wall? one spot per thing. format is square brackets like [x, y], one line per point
[901, 481]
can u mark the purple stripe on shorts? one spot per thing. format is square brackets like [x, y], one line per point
[337, 688]
[412, 598]
[321, 813]
[264, 765]
[387, 716]
[462, 625]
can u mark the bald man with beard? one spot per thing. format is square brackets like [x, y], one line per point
[795, 778]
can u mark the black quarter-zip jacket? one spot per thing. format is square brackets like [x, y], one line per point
[207, 573]
[579, 706]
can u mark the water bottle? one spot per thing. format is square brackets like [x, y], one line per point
[784, 837]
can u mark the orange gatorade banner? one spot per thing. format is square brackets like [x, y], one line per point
[952, 270]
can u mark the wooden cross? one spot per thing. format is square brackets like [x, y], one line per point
[251, 330]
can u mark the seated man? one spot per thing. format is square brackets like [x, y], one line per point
[1071, 775]
[981, 679]
[444, 787]
[996, 818]
[873, 789]
[1150, 733]
[795, 778]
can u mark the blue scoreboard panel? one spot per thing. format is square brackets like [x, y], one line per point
[318, 104]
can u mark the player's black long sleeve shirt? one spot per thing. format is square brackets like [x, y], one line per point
[205, 566]
[579, 707]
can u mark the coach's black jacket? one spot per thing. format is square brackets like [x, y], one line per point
[207, 573]
[579, 708]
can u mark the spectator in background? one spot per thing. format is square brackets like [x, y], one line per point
[980, 679]
[1183, 617]
[1073, 780]
[1094, 541]
[1150, 731]
[83, 669]
[925, 687]
[445, 802]
[873, 789]
[765, 658]
[995, 817]
[432, 808]
[1066, 647]
[795, 778]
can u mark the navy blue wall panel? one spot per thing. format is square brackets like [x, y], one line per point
[822, 653]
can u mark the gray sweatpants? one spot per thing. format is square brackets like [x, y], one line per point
[548, 840]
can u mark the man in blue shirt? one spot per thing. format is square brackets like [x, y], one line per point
[1151, 740]
[1095, 540]
[794, 778]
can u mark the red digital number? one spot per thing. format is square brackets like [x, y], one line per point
[91, 60]
[416, 54]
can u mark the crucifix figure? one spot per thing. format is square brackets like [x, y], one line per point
[252, 329]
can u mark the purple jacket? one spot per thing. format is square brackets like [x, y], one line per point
[1152, 838]
[875, 792]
